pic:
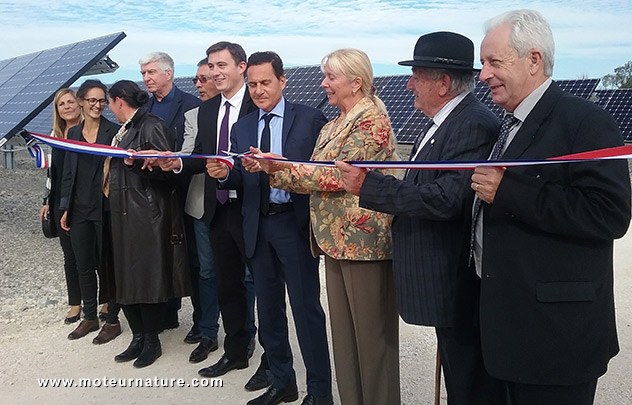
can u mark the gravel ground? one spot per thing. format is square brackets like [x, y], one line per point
[33, 342]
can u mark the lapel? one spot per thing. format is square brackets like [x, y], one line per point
[175, 107]
[288, 120]
[527, 132]
[105, 132]
[132, 132]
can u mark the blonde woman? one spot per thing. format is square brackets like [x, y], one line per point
[66, 114]
[356, 242]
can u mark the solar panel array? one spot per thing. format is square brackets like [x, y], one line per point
[303, 86]
[28, 82]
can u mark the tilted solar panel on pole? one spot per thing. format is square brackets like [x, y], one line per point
[581, 88]
[619, 104]
[28, 83]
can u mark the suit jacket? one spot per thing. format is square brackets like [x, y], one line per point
[194, 205]
[547, 306]
[430, 209]
[206, 143]
[301, 126]
[342, 230]
[106, 132]
[182, 102]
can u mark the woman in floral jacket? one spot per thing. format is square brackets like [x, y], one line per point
[356, 242]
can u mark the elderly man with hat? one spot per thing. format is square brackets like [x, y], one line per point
[432, 208]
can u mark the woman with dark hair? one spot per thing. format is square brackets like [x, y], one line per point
[82, 203]
[66, 114]
[146, 221]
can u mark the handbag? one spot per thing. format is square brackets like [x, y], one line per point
[48, 226]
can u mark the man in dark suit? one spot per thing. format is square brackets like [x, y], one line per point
[544, 241]
[222, 208]
[276, 231]
[431, 207]
[170, 103]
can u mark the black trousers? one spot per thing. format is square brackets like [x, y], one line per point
[144, 318]
[70, 262]
[230, 264]
[85, 236]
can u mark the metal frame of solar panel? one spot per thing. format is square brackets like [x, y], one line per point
[28, 83]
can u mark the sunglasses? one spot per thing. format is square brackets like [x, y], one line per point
[202, 79]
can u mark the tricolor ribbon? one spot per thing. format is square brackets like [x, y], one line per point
[620, 152]
[40, 156]
[107, 150]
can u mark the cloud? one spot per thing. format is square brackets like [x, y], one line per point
[302, 32]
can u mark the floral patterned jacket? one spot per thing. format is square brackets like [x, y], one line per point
[342, 229]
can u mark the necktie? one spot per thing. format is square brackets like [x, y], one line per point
[222, 145]
[505, 127]
[264, 179]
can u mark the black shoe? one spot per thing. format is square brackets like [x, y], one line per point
[194, 336]
[151, 350]
[223, 366]
[317, 400]
[133, 350]
[262, 378]
[275, 396]
[201, 352]
[251, 347]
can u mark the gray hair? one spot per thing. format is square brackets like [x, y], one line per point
[165, 62]
[460, 81]
[529, 30]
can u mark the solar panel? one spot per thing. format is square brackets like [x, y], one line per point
[581, 88]
[303, 86]
[619, 104]
[28, 83]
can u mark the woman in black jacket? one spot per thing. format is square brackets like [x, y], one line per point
[146, 221]
[82, 201]
[66, 114]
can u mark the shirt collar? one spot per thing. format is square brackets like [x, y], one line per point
[278, 110]
[236, 99]
[448, 108]
[525, 107]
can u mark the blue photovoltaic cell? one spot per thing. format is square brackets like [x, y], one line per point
[619, 104]
[28, 82]
[303, 86]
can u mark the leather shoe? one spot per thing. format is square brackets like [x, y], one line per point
[311, 399]
[275, 396]
[261, 379]
[86, 326]
[223, 366]
[133, 350]
[194, 336]
[201, 352]
[108, 332]
[72, 319]
[151, 350]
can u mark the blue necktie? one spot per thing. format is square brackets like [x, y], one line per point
[264, 179]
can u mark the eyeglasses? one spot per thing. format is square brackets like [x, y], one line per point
[202, 79]
[94, 101]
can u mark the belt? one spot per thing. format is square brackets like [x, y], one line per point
[275, 208]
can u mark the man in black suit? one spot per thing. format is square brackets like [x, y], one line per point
[170, 103]
[276, 231]
[431, 207]
[544, 239]
[222, 209]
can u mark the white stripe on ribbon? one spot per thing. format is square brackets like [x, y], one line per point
[620, 152]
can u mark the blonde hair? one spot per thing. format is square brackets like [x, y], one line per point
[354, 63]
[59, 124]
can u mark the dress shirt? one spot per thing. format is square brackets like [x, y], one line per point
[277, 196]
[521, 112]
[235, 106]
[439, 118]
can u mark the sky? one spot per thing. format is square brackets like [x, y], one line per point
[592, 37]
